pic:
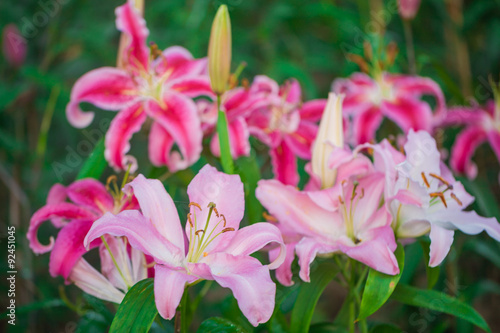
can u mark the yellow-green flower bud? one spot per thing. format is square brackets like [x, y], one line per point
[219, 51]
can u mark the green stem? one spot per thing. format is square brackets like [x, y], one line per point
[184, 311]
[225, 151]
[410, 49]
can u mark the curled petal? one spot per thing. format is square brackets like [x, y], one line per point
[56, 195]
[467, 222]
[441, 240]
[158, 207]
[107, 88]
[127, 122]
[284, 272]
[60, 211]
[366, 124]
[141, 233]
[91, 194]
[264, 85]
[464, 147]
[408, 113]
[284, 164]
[306, 250]
[253, 238]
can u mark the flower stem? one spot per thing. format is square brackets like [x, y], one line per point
[225, 151]
[410, 49]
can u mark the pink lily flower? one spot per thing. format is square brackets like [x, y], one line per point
[398, 97]
[349, 222]
[89, 201]
[482, 124]
[429, 200]
[216, 249]
[286, 125]
[150, 84]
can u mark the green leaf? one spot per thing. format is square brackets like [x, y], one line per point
[95, 164]
[309, 295]
[438, 301]
[379, 287]
[327, 328]
[248, 169]
[137, 311]
[385, 328]
[432, 272]
[219, 325]
[225, 152]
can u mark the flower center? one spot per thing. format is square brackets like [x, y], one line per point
[119, 198]
[440, 195]
[200, 239]
[347, 209]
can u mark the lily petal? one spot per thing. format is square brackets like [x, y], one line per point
[301, 140]
[284, 272]
[284, 164]
[313, 110]
[306, 250]
[127, 122]
[464, 147]
[91, 194]
[366, 124]
[467, 222]
[441, 240]
[239, 143]
[192, 86]
[408, 113]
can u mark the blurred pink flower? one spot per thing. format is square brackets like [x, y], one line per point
[14, 45]
[152, 84]
[286, 125]
[89, 200]
[408, 8]
[398, 97]
[481, 124]
[216, 249]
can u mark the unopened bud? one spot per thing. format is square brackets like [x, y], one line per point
[219, 51]
[408, 8]
[330, 134]
[13, 45]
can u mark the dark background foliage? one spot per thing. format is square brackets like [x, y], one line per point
[457, 44]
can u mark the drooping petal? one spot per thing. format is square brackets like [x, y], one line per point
[88, 279]
[141, 233]
[294, 209]
[291, 91]
[284, 164]
[107, 88]
[284, 272]
[192, 86]
[366, 124]
[253, 238]
[239, 143]
[301, 140]
[91, 194]
[312, 110]
[179, 62]
[249, 281]
[61, 210]
[56, 195]
[158, 207]
[179, 117]
[441, 240]
[306, 250]
[68, 247]
[130, 22]
[463, 149]
[467, 222]
[408, 113]
[169, 287]
[127, 122]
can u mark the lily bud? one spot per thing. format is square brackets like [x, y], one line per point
[219, 51]
[330, 134]
[408, 8]
[13, 45]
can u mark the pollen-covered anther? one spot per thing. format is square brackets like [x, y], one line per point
[224, 219]
[189, 219]
[425, 180]
[198, 231]
[439, 178]
[216, 212]
[340, 200]
[454, 197]
[362, 193]
[227, 229]
[441, 196]
[269, 217]
[195, 205]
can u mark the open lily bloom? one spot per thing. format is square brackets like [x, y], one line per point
[398, 97]
[286, 125]
[354, 223]
[89, 201]
[429, 199]
[482, 124]
[217, 250]
[152, 84]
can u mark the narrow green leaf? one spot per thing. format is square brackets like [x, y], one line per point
[225, 152]
[95, 164]
[309, 295]
[219, 325]
[432, 272]
[438, 301]
[379, 287]
[137, 311]
[385, 328]
[248, 169]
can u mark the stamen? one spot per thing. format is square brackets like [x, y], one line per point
[216, 212]
[198, 231]
[340, 200]
[439, 178]
[425, 180]
[440, 195]
[362, 194]
[194, 204]
[269, 217]
[189, 220]
[205, 254]
[227, 229]
[155, 51]
[224, 218]
[454, 197]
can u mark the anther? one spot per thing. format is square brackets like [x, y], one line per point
[440, 195]
[189, 219]
[425, 180]
[340, 200]
[224, 218]
[198, 231]
[194, 204]
[454, 197]
[362, 193]
[216, 212]
[269, 217]
[439, 178]
[227, 229]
